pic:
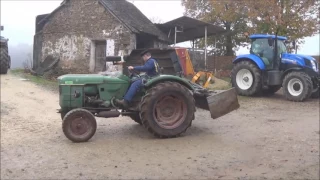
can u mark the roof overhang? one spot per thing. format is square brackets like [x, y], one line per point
[189, 29]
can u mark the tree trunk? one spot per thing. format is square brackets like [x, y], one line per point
[229, 45]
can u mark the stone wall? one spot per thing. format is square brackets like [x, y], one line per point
[37, 50]
[71, 31]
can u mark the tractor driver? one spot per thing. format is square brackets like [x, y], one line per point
[151, 68]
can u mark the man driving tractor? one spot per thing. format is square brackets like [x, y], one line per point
[151, 68]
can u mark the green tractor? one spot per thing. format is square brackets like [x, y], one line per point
[165, 105]
[5, 60]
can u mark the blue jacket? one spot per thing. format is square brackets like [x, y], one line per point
[151, 67]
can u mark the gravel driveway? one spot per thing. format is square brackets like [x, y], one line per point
[266, 138]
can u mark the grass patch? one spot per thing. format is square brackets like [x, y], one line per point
[228, 79]
[220, 84]
[220, 87]
[51, 85]
[243, 97]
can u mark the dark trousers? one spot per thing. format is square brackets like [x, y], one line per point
[135, 86]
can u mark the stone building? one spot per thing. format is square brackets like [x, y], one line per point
[83, 32]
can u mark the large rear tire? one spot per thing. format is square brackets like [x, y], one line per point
[79, 125]
[297, 86]
[167, 110]
[246, 78]
[4, 60]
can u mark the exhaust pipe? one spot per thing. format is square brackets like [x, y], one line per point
[108, 114]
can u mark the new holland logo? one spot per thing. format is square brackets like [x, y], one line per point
[289, 60]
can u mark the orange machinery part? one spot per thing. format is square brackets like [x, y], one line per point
[185, 61]
[208, 76]
[187, 67]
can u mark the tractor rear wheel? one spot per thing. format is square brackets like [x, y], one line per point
[167, 109]
[297, 86]
[79, 125]
[4, 60]
[245, 77]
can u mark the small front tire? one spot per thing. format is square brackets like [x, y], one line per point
[297, 86]
[79, 125]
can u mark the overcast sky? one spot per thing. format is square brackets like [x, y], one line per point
[18, 18]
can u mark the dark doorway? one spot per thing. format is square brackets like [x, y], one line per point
[100, 55]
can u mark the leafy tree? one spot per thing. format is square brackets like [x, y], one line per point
[227, 14]
[295, 19]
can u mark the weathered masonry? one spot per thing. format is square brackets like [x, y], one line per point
[83, 32]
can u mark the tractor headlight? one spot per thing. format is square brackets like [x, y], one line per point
[314, 66]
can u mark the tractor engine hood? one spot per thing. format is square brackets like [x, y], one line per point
[301, 60]
[81, 79]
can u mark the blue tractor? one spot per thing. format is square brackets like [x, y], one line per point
[267, 68]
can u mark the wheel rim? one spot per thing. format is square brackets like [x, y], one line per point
[244, 79]
[295, 87]
[170, 112]
[80, 125]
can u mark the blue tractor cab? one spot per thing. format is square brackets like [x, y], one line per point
[269, 67]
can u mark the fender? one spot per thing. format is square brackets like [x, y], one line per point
[307, 70]
[290, 70]
[256, 59]
[163, 78]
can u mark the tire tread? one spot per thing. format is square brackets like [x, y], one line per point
[305, 80]
[146, 104]
[65, 125]
[257, 84]
[4, 60]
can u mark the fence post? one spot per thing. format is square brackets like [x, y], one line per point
[205, 51]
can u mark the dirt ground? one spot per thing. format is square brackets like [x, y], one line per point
[267, 138]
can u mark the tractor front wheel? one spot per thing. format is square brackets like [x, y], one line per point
[297, 86]
[167, 110]
[245, 77]
[79, 125]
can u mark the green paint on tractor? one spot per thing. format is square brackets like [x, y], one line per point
[165, 105]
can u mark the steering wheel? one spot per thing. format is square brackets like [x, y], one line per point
[133, 73]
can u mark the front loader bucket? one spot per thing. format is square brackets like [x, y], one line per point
[218, 103]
